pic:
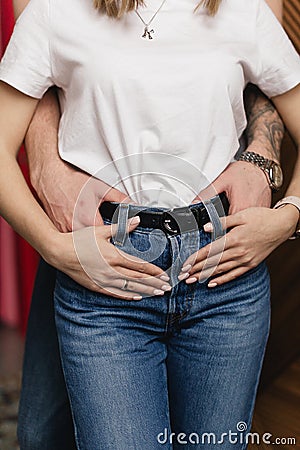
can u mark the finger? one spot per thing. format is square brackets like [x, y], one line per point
[210, 250]
[106, 193]
[108, 231]
[124, 260]
[133, 285]
[219, 185]
[225, 257]
[156, 282]
[230, 276]
[113, 195]
[123, 295]
[141, 270]
[230, 221]
[144, 279]
[109, 290]
[139, 265]
[134, 290]
[208, 272]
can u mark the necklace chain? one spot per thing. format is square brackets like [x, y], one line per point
[148, 33]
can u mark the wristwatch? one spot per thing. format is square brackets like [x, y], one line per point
[271, 168]
[291, 200]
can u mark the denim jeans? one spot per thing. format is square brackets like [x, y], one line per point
[139, 373]
[44, 420]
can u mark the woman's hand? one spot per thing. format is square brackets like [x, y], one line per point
[89, 258]
[254, 234]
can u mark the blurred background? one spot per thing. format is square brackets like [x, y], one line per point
[278, 405]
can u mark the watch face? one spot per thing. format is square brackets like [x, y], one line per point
[276, 176]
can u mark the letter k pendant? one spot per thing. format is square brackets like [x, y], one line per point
[147, 33]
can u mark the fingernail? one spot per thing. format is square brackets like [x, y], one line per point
[191, 280]
[183, 276]
[158, 292]
[137, 297]
[208, 227]
[165, 278]
[186, 268]
[212, 285]
[166, 287]
[134, 220]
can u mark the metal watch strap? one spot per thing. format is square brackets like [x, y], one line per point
[291, 200]
[255, 158]
[271, 169]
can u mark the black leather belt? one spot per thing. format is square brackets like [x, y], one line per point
[173, 221]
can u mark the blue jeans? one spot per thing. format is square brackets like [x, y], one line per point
[44, 420]
[139, 373]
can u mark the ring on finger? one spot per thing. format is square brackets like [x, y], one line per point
[125, 285]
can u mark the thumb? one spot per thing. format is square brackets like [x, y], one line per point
[111, 230]
[218, 186]
[133, 223]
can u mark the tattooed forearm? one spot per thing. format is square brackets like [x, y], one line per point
[265, 129]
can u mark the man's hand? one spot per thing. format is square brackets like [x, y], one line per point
[59, 198]
[245, 185]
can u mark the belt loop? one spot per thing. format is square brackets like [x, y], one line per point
[121, 214]
[218, 230]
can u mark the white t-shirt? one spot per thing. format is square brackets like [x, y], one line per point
[161, 118]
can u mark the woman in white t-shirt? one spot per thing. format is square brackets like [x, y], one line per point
[152, 104]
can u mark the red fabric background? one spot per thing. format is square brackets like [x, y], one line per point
[18, 261]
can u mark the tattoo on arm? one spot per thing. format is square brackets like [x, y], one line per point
[265, 127]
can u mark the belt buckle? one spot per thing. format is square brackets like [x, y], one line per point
[179, 220]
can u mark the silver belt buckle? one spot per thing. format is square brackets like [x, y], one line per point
[179, 220]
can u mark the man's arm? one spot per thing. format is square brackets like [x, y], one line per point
[265, 129]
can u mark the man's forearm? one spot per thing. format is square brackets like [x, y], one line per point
[265, 129]
[41, 139]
